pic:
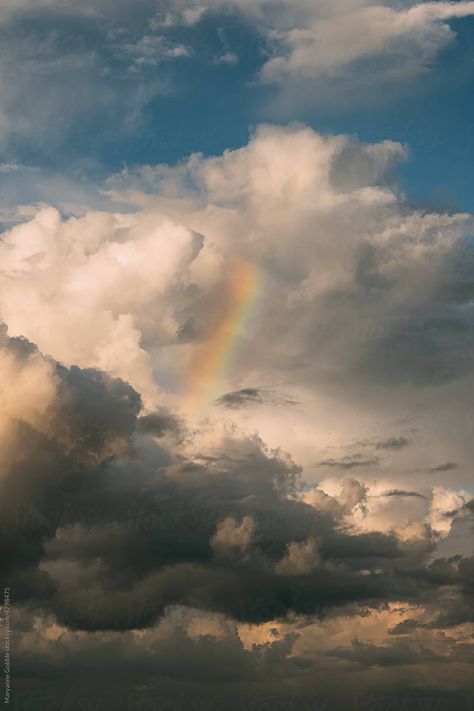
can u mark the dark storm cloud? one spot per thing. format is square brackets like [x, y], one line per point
[88, 421]
[425, 348]
[105, 528]
[371, 655]
[404, 627]
[159, 424]
[454, 577]
[170, 671]
[65, 69]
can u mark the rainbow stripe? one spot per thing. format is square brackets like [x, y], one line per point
[215, 355]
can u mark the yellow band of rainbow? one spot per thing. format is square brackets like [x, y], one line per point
[216, 353]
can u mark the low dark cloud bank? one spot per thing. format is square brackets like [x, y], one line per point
[105, 529]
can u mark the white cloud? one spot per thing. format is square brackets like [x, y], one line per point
[410, 37]
[446, 506]
[77, 287]
[151, 50]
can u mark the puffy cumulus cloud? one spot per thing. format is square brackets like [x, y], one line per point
[352, 496]
[87, 284]
[446, 506]
[351, 275]
[438, 513]
[317, 216]
[91, 278]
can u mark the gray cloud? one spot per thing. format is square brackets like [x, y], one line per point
[393, 443]
[350, 462]
[170, 667]
[371, 655]
[402, 493]
[447, 467]
[240, 398]
[106, 529]
[159, 424]
[405, 627]
[254, 396]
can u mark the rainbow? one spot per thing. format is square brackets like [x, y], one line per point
[215, 355]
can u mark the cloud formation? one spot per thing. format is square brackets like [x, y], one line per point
[181, 536]
[104, 527]
[401, 41]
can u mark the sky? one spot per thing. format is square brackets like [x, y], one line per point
[236, 348]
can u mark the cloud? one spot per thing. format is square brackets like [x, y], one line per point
[300, 559]
[129, 48]
[151, 50]
[227, 58]
[242, 397]
[360, 295]
[394, 443]
[402, 492]
[159, 423]
[410, 344]
[104, 528]
[445, 505]
[173, 553]
[404, 627]
[446, 467]
[75, 89]
[233, 537]
[327, 45]
[191, 659]
[350, 462]
[112, 328]
[395, 655]
[122, 503]
[254, 396]
[179, 16]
